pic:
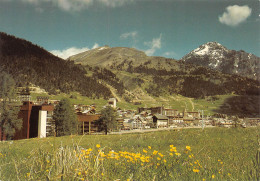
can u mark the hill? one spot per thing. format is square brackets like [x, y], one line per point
[31, 64]
[217, 57]
[121, 58]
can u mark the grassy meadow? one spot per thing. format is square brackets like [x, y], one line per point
[186, 154]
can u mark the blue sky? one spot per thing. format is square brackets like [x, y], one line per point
[169, 28]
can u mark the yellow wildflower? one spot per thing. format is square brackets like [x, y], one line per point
[164, 161]
[188, 148]
[158, 164]
[144, 151]
[98, 145]
[160, 154]
[177, 154]
[79, 173]
[196, 170]
[213, 176]
[158, 158]
[149, 147]
[155, 152]
[173, 149]
[171, 154]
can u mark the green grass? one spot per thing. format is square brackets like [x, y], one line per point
[225, 154]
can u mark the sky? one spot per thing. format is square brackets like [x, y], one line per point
[168, 28]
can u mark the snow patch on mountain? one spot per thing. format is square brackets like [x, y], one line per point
[214, 65]
[201, 51]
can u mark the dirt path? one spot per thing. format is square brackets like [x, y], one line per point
[192, 105]
[113, 91]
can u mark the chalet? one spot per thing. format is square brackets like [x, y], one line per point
[138, 123]
[127, 124]
[160, 120]
[89, 122]
[120, 123]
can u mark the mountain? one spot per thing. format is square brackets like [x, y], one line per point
[215, 56]
[159, 76]
[121, 58]
[31, 64]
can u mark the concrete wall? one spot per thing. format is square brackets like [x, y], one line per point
[42, 124]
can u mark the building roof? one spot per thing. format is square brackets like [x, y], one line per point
[162, 117]
[88, 117]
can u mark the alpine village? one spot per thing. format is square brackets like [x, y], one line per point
[121, 92]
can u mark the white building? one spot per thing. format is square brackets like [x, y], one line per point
[112, 102]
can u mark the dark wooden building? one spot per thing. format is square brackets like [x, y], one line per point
[34, 120]
[88, 123]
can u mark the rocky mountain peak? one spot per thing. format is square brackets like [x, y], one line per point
[210, 48]
[215, 56]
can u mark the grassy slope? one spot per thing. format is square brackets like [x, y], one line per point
[236, 148]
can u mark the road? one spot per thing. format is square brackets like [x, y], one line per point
[159, 129]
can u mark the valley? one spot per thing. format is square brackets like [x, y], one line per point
[136, 79]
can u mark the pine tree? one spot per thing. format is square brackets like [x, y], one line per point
[9, 121]
[108, 119]
[65, 118]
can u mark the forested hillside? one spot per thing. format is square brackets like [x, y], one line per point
[28, 63]
[159, 76]
[196, 82]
